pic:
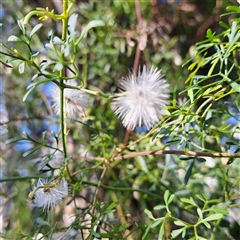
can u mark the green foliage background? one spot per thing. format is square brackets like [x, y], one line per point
[141, 197]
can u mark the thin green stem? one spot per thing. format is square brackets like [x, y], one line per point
[195, 232]
[63, 116]
[215, 229]
[122, 189]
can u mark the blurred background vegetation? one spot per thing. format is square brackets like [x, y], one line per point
[161, 33]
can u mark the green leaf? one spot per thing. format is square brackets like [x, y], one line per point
[112, 206]
[230, 161]
[41, 222]
[34, 77]
[28, 92]
[146, 231]
[235, 86]
[92, 24]
[213, 217]
[219, 53]
[237, 102]
[161, 232]
[171, 198]
[32, 150]
[177, 232]
[234, 8]
[159, 207]
[199, 211]
[157, 222]
[207, 224]
[224, 25]
[21, 26]
[190, 201]
[165, 112]
[57, 40]
[149, 214]
[72, 25]
[142, 163]
[166, 196]
[220, 210]
[190, 94]
[35, 54]
[179, 223]
[14, 39]
[186, 158]
[189, 172]
[35, 29]
[13, 140]
[21, 68]
[200, 159]
[155, 134]
[58, 67]
[123, 226]
[210, 34]
[201, 198]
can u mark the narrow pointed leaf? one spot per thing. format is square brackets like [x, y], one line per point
[14, 39]
[92, 24]
[189, 172]
[21, 68]
[35, 29]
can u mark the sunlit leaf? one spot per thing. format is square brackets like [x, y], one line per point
[149, 214]
[58, 67]
[166, 196]
[21, 67]
[235, 86]
[201, 198]
[57, 40]
[179, 223]
[35, 29]
[21, 26]
[159, 207]
[213, 217]
[207, 224]
[190, 201]
[177, 232]
[14, 39]
[156, 223]
[27, 93]
[72, 25]
[92, 24]
[199, 211]
[161, 232]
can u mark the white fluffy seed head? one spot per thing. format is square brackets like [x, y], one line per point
[47, 198]
[144, 98]
[76, 101]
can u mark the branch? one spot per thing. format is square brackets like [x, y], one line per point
[164, 152]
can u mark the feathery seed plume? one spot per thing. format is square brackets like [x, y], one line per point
[75, 101]
[48, 197]
[144, 97]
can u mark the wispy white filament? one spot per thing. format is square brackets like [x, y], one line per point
[75, 101]
[144, 97]
[48, 197]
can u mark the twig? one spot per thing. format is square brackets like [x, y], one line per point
[164, 152]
